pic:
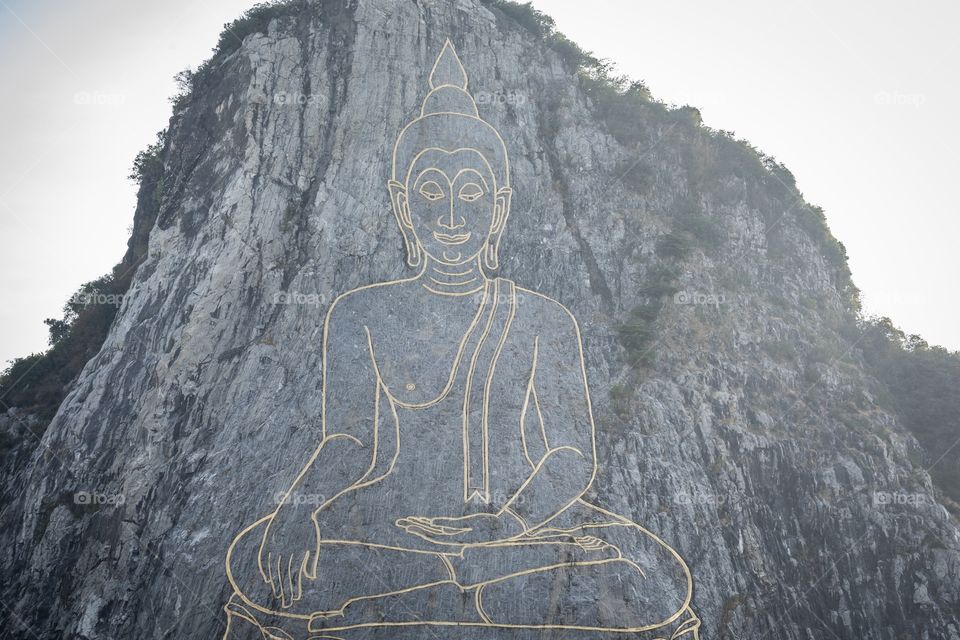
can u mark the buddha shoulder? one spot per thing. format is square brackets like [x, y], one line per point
[543, 315]
[367, 306]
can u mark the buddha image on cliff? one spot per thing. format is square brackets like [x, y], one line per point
[456, 444]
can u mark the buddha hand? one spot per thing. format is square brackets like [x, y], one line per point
[475, 529]
[289, 552]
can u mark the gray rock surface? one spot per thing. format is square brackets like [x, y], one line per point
[747, 436]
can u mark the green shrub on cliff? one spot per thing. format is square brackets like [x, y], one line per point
[256, 19]
[923, 382]
[38, 383]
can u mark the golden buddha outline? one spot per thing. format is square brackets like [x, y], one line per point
[457, 439]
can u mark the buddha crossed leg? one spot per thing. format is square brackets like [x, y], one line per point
[457, 441]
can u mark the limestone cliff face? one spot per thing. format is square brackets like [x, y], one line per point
[734, 418]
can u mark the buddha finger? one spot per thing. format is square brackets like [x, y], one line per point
[444, 526]
[270, 574]
[421, 532]
[450, 531]
[290, 597]
[440, 530]
[420, 523]
[412, 528]
[416, 520]
[403, 523]
[298, 590]
[310, 568]
[591, 543]
[454, 531]
[442, 537]
[452, 524]
[278, 578]
[264, 572]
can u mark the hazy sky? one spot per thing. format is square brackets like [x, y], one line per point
[856, 98]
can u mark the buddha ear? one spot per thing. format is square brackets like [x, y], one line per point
[501, 211]
[398, 201]
[401, 210]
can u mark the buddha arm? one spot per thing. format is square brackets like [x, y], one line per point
[345, 454]
[569, 464]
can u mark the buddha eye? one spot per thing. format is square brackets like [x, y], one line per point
[470, 192]
[431, 191]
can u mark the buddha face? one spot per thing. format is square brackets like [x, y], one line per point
[450, 207]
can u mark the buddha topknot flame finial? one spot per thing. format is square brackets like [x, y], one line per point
[448, 86]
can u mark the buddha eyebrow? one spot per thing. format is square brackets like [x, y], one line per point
[479, 175]
[416, 180]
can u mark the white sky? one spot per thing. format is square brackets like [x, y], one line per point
[856, 98]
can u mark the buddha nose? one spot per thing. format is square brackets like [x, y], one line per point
[451, 221]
